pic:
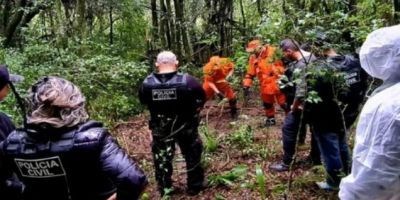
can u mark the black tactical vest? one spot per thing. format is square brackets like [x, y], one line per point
[168, 98]
[356, 78]
[58, 162]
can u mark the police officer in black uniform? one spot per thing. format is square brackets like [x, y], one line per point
[356, 80]
[13, 187]
[60, 155]
[174, 101]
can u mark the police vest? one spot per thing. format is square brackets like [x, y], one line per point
[169, 98]
[54, 166]
[355, 78]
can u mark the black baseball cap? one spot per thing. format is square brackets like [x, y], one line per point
[7, 78]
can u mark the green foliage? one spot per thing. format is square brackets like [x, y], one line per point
[229, 178]
[312, 97]
[109, 82]
[211, 142]
[242, 137]
[167, 193]
[145, 196]
[261, 183]
[219, 197]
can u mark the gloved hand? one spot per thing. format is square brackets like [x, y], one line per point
[220, 96]
[246, 91]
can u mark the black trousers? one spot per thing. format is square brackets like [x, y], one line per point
[293, 122]
[163, 148]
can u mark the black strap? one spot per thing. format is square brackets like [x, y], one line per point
[20, 103]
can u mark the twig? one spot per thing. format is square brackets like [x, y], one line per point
[228, 159]
[289, 183]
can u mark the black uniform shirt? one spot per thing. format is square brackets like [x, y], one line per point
[6, 126]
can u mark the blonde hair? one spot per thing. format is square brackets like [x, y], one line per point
[57, 102]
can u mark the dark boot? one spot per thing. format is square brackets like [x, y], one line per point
[232, 105]
[270, 121]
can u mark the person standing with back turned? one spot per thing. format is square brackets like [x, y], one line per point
[174, 101]
[375, 172]
[62, 155]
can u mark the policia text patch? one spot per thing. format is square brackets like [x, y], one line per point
[164, 94]
[40, 168]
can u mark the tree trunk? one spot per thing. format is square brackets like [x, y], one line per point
[352, 7]
[326, 6]
[225, 17]
[171, 28]
[13, 24]
[81, 18]
[259, 8]
[187, 46]
[178, 26]
[154, 20]
[111, 26]
[244, 24]
[164, 27]
[6, 15]
[396, 6]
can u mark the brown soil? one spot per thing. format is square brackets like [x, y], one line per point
[266, 148]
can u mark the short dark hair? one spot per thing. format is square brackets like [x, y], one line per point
[291, 44]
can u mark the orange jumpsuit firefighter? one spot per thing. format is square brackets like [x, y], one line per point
[215, 73]
[262, 63]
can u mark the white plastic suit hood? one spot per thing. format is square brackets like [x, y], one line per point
[380, 53]
[375, 171]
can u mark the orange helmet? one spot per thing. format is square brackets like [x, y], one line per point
[214, 60]
[253, 45]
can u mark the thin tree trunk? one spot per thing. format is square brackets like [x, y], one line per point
[187, 46]
[15, 20]
[81, 18]
[171, 28]
[154, 19]
[163, 24]
[6, 15]
[52, 26]
[244, 24]
[165, 27]
[178, 26]
[326, 6]
[396, 5]
[259, 8]
[111, 26]
[352, 6]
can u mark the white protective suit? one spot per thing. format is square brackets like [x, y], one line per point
[376, 155]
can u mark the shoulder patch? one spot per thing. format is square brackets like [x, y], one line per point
[40, 168]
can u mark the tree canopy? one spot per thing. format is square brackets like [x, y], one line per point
[109, 45]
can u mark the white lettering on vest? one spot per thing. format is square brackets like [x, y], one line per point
[40, 168]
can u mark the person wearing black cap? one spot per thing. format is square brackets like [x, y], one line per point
[14, 187]
[6, 80]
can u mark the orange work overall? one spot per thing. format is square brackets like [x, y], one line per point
[215, 72]
[268, 71]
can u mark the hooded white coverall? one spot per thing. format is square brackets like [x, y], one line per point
[376, 155]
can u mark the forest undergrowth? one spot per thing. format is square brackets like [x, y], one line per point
[236, 157]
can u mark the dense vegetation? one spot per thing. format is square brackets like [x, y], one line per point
[107, 46]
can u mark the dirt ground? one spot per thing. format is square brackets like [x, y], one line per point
[264, 149]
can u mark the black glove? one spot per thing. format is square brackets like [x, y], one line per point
[246, 91]
[220, 96]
